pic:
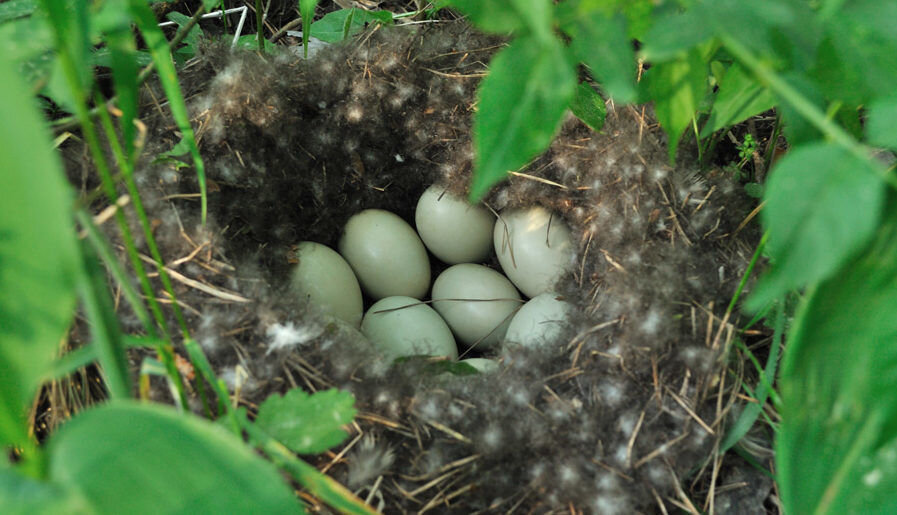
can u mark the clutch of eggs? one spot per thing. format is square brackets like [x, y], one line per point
[381, 255]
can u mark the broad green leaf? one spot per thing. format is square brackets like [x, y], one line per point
[191, 40]
[836, 450]
[38, 254]
[307, 424]
[520, 106]
[158, 47]
[331, 28]
[23, 495]
[677, 87]
[857, 60]
[823, 205]
[881, 122]
[602, 44]
[588, 106]
[14, 9]
[505, 16]
[672, 36]
[250, 42]
[739, 97]
[307, 11]
[126, 457]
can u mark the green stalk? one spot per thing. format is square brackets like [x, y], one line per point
[126, 167]
[769, 78]
[260, 29]
[107, 337]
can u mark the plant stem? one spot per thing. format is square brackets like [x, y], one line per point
[804, 107]
[260, 29]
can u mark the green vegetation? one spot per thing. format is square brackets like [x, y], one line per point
[828, 205]
[827, 67]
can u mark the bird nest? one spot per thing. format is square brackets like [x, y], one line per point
[621, 414]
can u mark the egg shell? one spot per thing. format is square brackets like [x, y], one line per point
[476, 302]
[403, 326]
[324, 278]
[454, 230]
[483, 365]
[534, 248]
[539, 321]
[386, 255]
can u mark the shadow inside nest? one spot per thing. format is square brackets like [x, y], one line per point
[619, 415]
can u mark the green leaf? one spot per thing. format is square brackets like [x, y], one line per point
[23, 495]
[739, 97]
[307, 424]
[38, 254]
[14, 9]
[250, 42]
[520, 106]
[123, 61]
[857, 60]
[588, 106]
[126, 457]
[505, 16]
[672, 36]
[823, 205]
[836, 450]
[330, 28]
[881, 122]
[191, 40]
[307, 11]
[677, 87]
[602, 44]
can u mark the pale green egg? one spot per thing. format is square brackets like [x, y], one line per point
[454, 230]
[324, 278]
[539, 321]
[386, 254]
[476, 302]
[534, 248]
[403, 326]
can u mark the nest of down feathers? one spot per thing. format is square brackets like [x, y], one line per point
[620, 415]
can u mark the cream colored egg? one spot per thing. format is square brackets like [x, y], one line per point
[534, 248]
[403, 326]
[454, 230]
[476, 302]
[539, 321]
[386, 254]
[324, 278]
[483, 365]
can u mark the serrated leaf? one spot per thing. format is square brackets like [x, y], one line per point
[520, 106]
[739, 97]
[126, 457]
[307, 424]
[601, 43]
[588, 106]
[823, 205]
[331, 27]
[677, 87]
[881, 122]
[38, 254]
[836, 450]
